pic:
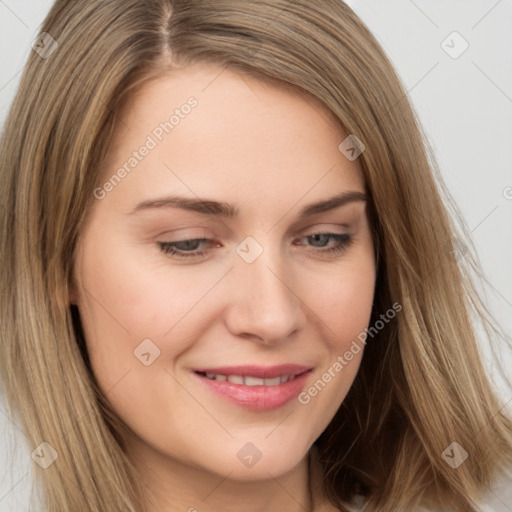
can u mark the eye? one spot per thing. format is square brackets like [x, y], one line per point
[184, 248]
[342, 242]
[189, 248]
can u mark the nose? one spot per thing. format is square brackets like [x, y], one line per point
[262, 301]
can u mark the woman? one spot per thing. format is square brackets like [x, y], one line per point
[228, 272]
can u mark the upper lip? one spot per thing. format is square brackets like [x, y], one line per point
[263, 372]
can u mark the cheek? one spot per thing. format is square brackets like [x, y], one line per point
[344, 300]
[347, 315]
[126, 300]
[138, 320]
[343, 305]
[133, 287]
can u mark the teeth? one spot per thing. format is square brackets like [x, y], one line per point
[250, 381]
[254, 381]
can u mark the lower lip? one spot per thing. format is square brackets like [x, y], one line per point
[258, 398]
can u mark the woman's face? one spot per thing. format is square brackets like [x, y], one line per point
[279, 289]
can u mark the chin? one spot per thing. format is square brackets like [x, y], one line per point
[247, 461]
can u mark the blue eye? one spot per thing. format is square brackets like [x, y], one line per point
[343, 241]
[189, 248]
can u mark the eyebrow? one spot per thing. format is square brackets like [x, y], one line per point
[227, 210]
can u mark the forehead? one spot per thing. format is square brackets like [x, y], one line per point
[211, 129]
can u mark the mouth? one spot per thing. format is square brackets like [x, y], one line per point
[255, 388]
[248, 380]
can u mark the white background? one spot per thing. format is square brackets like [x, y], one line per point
[464, 104]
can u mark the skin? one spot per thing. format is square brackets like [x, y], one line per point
[269, 152]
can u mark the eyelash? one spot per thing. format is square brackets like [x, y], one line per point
[344, 241]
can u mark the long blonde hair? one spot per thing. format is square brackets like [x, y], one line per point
[421, 385]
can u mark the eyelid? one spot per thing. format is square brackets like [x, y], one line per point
[187, 233]
[324, 227]
[210, 235]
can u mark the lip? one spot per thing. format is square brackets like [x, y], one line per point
[257, 398]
